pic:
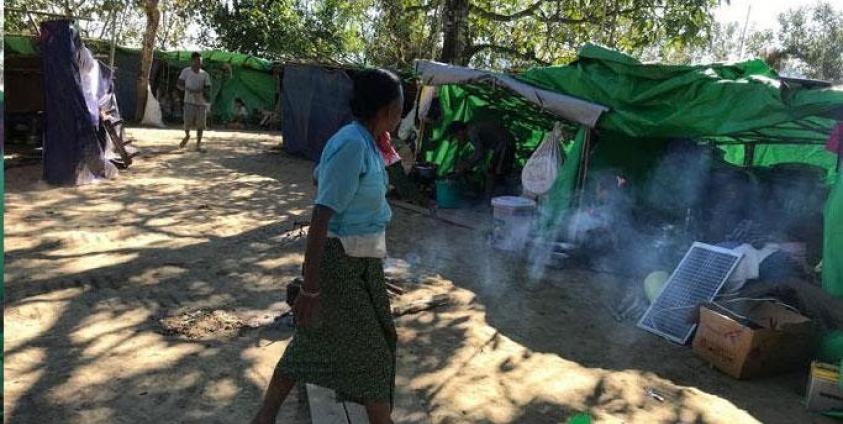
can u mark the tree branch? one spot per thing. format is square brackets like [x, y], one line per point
[422, 7]
[529, 11]
[477, 48]
[536, 7]
[105, 24]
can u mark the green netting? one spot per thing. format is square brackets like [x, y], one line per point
[833, 242]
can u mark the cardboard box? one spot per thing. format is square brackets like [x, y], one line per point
[824, 390]
[764, 339]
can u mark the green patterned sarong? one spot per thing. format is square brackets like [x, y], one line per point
[350, 345]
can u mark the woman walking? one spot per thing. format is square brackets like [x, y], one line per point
[345, 338]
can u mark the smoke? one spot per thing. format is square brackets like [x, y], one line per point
[631, 224]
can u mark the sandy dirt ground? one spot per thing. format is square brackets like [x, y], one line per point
[91, 270]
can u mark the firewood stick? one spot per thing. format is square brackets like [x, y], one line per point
[394, 288]
[419, 306]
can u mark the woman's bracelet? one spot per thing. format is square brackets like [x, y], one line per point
[306, 293]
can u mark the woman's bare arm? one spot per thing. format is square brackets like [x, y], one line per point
[316, 237]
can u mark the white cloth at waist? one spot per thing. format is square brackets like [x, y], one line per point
[363, 246]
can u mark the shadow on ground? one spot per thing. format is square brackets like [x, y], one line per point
[89, 270]
[563, 315]
[178, 232]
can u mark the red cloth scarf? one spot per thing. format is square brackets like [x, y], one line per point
[390, 156]
[833, 144]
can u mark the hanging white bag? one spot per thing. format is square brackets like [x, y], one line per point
[541, 169]
[152, 111]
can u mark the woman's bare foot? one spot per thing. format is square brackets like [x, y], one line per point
[184, 142]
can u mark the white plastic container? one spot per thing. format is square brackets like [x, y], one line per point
[512, 220]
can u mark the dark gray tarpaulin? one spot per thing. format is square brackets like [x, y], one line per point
[126, 66]
[315, 107]
[73, 84]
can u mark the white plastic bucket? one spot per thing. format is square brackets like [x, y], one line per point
[512, 220]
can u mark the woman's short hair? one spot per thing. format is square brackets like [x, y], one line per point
[374, 89]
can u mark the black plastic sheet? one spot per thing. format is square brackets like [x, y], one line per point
[73, 152]
[315, 107]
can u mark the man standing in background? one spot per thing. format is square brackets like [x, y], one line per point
[196, 84]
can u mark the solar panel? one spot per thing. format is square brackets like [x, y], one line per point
[698, 278]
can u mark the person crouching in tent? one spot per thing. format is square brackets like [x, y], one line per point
[488, 138]
[240, 114]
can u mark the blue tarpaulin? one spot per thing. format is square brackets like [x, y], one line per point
[316, 105]
[73, 83]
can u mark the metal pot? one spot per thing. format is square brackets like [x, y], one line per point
[425, 170]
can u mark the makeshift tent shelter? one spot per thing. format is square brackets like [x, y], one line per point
[316, 104]
[233, 75]
[745, 109]
[742, 103]
[23, 71]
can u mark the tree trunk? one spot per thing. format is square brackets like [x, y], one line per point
[455, 32]
[153, 15]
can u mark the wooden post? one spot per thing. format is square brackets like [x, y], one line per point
[114, 31]
[749, 155]
[579, 188]
[153, 16]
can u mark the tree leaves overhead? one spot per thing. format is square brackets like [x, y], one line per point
[507, 35]
[550, 31]
[814, 35]
[125, 16]
[807, 42]
[500, 33]
[286, 28]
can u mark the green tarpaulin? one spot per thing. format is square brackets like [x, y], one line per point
[464, 103]
[232, 75]
[218, 56]
[727, 104]
[20, 45]
[247, 77]
[744, 100]
[730, 105]
[833, 243]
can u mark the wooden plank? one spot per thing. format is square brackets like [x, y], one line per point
[118, 142]
[445, 217]
[356, 413]
[324, 408]
[421, 305]
[410, 207]
[470, 220]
